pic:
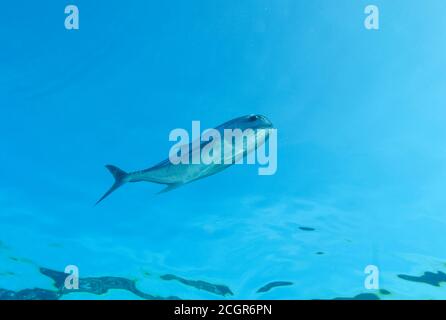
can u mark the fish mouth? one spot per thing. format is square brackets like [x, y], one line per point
[267, 124]
[259, 121]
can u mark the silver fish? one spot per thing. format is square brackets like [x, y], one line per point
[175, 175]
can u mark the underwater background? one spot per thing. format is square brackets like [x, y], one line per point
[361, 173]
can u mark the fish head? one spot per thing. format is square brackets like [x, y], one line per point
[253, 121]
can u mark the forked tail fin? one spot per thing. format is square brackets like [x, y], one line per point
[121, 177]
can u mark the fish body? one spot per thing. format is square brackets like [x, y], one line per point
[175, 175]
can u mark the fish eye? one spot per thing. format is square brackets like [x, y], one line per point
[253, 118]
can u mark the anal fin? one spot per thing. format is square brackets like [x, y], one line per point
[170, 187]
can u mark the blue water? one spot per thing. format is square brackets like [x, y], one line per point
[361, 151]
